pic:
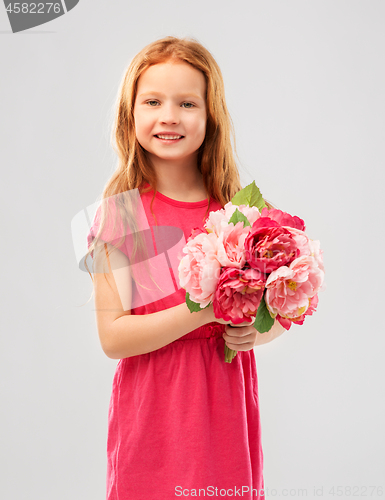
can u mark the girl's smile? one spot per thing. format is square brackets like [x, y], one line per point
[169, 137]
[170, 111]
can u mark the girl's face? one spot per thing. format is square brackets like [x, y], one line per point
[170, 111]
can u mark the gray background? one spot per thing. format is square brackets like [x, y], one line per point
[304, 84]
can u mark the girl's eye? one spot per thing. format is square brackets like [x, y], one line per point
[154, 103]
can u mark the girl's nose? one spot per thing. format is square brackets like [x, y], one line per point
[169, 114]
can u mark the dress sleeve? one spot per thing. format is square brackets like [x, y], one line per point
[125, 226]
[116, 230]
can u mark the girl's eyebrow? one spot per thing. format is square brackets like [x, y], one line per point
[178, 95]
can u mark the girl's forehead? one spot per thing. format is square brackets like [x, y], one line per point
[171, 75]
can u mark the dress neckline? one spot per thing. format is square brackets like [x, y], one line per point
[178, 203]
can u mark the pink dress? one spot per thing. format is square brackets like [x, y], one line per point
[181, 421]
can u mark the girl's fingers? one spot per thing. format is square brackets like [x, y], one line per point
[240, 338]
[240, 347]
[239, 341]
[239, 331]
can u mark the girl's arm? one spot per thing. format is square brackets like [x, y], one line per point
[123, 335]
[275, 331]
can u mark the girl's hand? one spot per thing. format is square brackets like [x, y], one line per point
[247, 337]
[244, 336]
[240, 337]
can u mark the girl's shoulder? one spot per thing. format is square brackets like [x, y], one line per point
[118, 216]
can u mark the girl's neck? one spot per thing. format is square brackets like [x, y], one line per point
[180, 182]
[183, 189]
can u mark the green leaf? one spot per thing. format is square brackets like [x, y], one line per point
[239, 217]
[193, 306]
[263, 320]
[250, 195]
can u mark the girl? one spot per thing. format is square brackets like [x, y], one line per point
[182, 422]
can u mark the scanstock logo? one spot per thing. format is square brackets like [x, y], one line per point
[25, 15]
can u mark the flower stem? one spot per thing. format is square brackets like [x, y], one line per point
[229, 354]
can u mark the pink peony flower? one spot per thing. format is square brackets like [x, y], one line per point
[269, 246]
[218, 220]
[199, 269]
[238, 295]
[289, 290]
[286, 323]
[195, 231]
[313, 303]
[283, 218]
[302, 241]
[317, 253]
[251, 213]
[231, 245]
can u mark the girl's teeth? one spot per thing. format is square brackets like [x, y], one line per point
[169, 136]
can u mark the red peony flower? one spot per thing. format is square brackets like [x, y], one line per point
[283, 218]
[238, 294]
[269, 246]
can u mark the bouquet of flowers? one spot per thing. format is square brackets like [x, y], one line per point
[249, 261]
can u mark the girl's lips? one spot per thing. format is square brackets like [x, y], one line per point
[168, 141]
